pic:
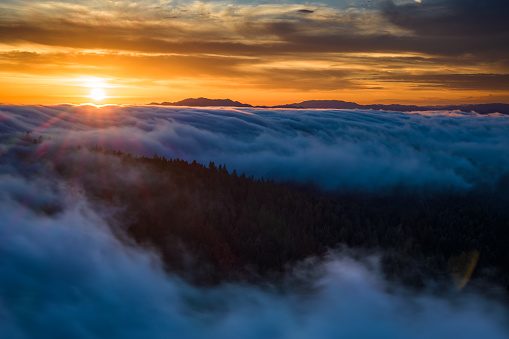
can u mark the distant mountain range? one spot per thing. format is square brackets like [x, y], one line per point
[479, 108]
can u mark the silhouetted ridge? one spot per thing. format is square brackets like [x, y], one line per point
[339, 104]
[322, 104]
[204, 102]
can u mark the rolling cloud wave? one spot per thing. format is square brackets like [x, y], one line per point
[330, 148]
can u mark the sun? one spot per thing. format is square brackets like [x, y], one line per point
[97, 94]
[96, 87]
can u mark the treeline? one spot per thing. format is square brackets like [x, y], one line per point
[209, 224]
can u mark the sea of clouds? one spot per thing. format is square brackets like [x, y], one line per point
[64, 274]
[330, 148]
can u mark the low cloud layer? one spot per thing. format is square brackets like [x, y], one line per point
[334, 149]
[63, 273]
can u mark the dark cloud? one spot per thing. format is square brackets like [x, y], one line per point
[458, 18]
[114, 38]
[483, 82]
[439, 28]
[469, 26]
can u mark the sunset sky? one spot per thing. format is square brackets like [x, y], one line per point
[257, 52]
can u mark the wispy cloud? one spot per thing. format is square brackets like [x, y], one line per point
[194, 38]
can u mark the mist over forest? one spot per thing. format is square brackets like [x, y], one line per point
[142, 221]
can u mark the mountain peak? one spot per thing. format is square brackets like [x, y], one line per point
[204, 102]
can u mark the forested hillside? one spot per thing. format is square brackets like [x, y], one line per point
[210, 224]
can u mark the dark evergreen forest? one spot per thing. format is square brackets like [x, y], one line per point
[210, 224]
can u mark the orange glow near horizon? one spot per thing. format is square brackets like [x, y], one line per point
[132, 91]
[118, 89]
